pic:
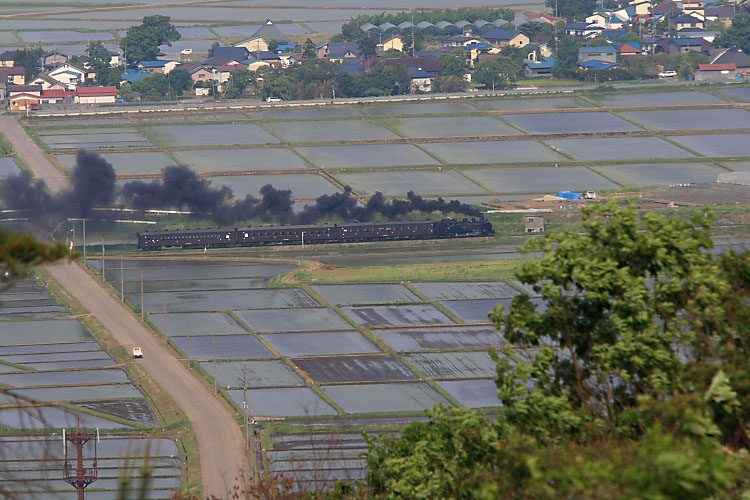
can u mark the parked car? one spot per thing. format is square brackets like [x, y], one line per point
[186, 52]
[273, 99]
[667, 74]
[590, 195]
[137, 352]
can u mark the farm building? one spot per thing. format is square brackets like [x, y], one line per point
[533, 224]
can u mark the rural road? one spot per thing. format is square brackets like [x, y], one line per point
[222, 454]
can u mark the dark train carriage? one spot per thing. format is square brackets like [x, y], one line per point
[286, 235]
[452, 228]
[390, 230]
[188, 238]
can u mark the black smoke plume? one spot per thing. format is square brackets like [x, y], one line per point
[92, 185]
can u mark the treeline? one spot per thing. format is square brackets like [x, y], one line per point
[319, 79]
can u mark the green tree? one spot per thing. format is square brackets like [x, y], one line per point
[368, 46]
[29, 60]
[689, 63]
[498, 73]
[179, 81]
[141, 43]
[566, 57]
[633, 380]
[454, 63]
[212, 48]
[308, 48]
[451, 83]
[99, 60]
[738, 34]
[573, 9]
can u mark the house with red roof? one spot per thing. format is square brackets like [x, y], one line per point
[95, 95]
[716, 72]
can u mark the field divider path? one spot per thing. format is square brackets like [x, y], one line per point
[223, 460]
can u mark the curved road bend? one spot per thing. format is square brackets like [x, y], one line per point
[223, 458]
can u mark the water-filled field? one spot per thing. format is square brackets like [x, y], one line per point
[62, 36]
[472, 393]
[539, 179]
[619, 148]
[453, 337]
[384, 397]
[461, 153]
[662, 173]
[420, 108]
[128, 163]
[301, 185]
[571, 123]
[688, 119]
[463, 290]
[533, 103]
[299, 113]
[365, 294]
[8, 167]
[398, 183]
[716, 145]
[375, 155]
[421, 314]
[657, 98]
[320, 343]
[354, 368]
[448, 365]
[284, 401]
[452, 126]
[741, 94]
[329, 131]
[211, 135]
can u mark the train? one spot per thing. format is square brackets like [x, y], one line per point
[355, 232]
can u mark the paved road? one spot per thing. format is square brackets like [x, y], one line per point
[31, 154]
[222, 453]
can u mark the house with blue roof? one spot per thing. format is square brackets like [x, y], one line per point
[538, 69]
[421, 80]
[685, 45]
[605, 54]
[234, 53]
[583, 30]
[500, 38]
[133, 75]
[594, 64]
[157, 66]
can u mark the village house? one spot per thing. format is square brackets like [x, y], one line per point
[23, 101]
[501, 37]
[394, 42]
[685, 45]
[15, 75]
[337, 51]
[260, 40]
[604, 54]
[628, 49]
[534, 68]
[715, 72]
[722, 14]
[732, 56]
[688, 21]
[47, 82]
[533, 224]
[429, 64]
[158, 66]
[6, 59]
[421, 81]
[69, 74]
[460, 41]
[583, 30]
[237, 54]
[57, 96]
[53, 59]
[95, 95]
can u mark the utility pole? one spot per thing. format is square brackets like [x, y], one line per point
[104, 276]
[84, 241]
[79, 477]
[164, 315]
[142, 312]
[244, 405]
[122, 279]
[215, 391]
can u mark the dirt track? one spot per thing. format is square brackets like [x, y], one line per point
[222, 453]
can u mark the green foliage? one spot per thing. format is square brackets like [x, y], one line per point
[273, 44]
[689, 63]
[736, 35]
[99, 60]
[368, 46]
[500, 73]
[308, 48]
[533, 29]
[29, 60]
[451, 84]
[141, 43]
[19, 252]
[573, 9]
[454, 63]
[566, 63]
[212, 49]
[160, 86]
[632, 382]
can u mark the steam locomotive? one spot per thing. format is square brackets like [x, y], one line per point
[315, 234]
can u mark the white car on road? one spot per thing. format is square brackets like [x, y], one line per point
[137, 352]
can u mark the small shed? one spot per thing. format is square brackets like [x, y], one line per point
[533, 223]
